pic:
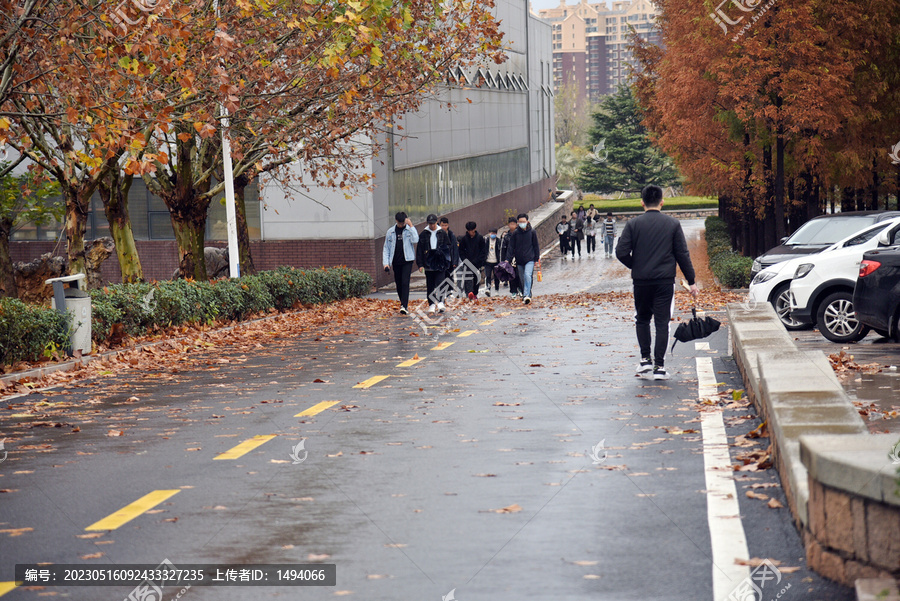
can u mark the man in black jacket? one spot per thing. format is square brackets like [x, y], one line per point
[525, 249]
[511, 227]
[651, 245]
[433, 257]
[473, 250]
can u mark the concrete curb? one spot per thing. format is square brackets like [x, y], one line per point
[795, 391]
[839, 481]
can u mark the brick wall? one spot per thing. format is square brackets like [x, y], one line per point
[159, 258]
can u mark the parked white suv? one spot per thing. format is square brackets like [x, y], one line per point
[821, 291]
[773, 285]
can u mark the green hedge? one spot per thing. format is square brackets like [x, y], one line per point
[142, 307]
[731, 269]
[26, 331]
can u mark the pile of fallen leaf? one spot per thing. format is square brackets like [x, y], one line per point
[844, 366]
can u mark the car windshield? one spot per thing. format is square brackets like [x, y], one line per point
[828, 230]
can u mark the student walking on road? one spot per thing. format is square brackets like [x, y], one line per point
[609, 234]
[590, 235]
[399, 253]
[473, 250]
[562, 228]
[651, 245]
[433, 257]
[454, 248]
[525, 249]
[576, 234]
[491, 258]
[512, 226]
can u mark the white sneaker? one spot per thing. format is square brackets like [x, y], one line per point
[645, 367]
[487, 293]
[440, 307]
[660, 373]
[403, 311]
[431, 309]
[527, 300]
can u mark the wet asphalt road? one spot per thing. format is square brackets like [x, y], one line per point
[403, 478]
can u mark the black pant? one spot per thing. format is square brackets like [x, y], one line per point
[402, 272]
[564, 244]
[489, 277]
[591, 244]
[575, 243]
[653, 300]
[432, 279]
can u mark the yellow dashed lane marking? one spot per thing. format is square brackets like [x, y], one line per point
[245, 447]
[409, 362]
[466, 334]
[487, 323]
[442, 346]
[5, 587]
[371, 381]
[131, 511]
[317, 408]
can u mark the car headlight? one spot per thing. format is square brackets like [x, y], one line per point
[803, 270]
[757, 266]
[763, 276]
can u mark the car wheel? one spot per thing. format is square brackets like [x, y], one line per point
[837, 320]
[781, 302]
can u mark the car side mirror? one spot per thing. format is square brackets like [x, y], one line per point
[785, 239]
[885, 238]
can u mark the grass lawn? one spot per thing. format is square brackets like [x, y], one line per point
[634, 204]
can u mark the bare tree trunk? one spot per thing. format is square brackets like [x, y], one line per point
[7, 277]
[243, 230]
[114, 194]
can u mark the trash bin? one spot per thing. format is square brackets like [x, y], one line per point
[75, 302]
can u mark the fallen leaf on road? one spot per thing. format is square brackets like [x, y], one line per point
[338, 454]
[485, 475]
[591, 577]
[96, 555]
[114, 433]
[278, 461]
[774, 503]
[585, 563]
[92, 534]
[756, 495]
[396, 545]
[514, 508]
[755, 562]
[318, 556]
[16, 531]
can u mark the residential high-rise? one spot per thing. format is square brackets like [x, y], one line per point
[590, 42]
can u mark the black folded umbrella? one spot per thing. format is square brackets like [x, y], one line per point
[695, 328]
[504, 272]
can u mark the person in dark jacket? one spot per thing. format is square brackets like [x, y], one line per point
[398, 253]
[492, 256]
[473, 250]
[512, 227]
[433, 257]
[576, 233]
[651, 245]
[562, 229]
[525, 249]
[454, 250]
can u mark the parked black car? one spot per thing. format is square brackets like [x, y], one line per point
[818, 234]
[876, 298]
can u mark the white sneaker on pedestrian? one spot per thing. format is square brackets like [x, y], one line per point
[431, 309]
[660, 373]
[527, 300]
[645, 367]
[487, 292]
[440, 307]
[403, 311]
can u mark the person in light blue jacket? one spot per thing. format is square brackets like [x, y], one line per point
[399, 255]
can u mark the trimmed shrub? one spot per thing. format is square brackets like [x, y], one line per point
[27, 331]
[731, 269]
